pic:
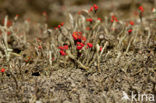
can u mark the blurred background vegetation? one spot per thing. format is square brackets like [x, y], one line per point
[53, 11]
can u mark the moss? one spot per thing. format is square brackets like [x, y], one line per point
[82, 2]
[53, 23]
